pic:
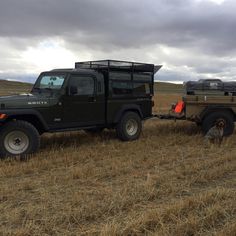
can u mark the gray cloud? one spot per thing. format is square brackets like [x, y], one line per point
[202, 31]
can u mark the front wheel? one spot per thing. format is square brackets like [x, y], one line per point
[18, 138]
[129, 127]
[210, 120]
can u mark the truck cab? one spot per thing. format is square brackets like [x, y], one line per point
[76, 98]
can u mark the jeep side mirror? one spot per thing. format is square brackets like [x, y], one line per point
[73, 90]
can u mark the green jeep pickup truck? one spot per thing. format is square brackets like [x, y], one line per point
[92, 96]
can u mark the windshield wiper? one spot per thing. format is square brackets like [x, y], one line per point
[40, 90]
[36, 89]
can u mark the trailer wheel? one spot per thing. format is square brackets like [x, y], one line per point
[129, 127]
[209, 121]
[18, 138]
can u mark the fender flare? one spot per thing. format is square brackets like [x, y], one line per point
[18, 112]
[125, 108]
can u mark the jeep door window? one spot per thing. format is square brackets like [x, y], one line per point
[81, 85]
[50, 82]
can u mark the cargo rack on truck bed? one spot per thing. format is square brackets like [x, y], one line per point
[125, 66]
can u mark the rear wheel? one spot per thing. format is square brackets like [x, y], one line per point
[210, 120]
[18, 138]
[129, 127]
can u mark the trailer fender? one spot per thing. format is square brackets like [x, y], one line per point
[210, 109]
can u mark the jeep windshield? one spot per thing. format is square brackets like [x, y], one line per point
[49, 82]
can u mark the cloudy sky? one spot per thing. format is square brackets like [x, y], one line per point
[192, 39]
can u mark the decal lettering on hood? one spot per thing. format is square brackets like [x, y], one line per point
[38, 103]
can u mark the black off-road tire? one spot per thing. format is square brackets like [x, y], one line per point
[129, 127]
[210, 119]
[198, 124]
[18, 138]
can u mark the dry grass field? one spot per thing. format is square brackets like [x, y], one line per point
[165, 183]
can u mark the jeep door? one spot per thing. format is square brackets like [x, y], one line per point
[84, 103]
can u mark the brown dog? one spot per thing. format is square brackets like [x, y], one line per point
[215, 134]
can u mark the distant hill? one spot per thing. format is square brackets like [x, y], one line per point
[12, 87]
[163, 87]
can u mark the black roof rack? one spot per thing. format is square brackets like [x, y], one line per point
[62, 69]
[117, 65]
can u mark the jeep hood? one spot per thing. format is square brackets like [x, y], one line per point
[23, 101]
